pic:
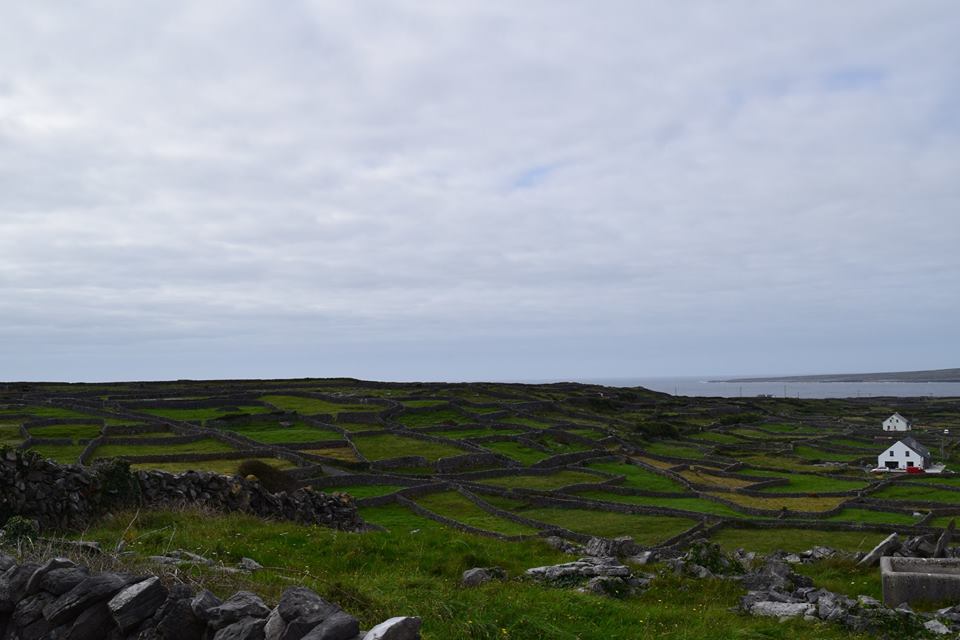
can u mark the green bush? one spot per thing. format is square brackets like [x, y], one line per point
[19, 529]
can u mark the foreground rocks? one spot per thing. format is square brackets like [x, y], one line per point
[58, 600]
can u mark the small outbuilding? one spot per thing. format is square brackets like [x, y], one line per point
[903, 455]
[897, 422]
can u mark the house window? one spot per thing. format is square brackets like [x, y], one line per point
[908, 454]
[891, 454]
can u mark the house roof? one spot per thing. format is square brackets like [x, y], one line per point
[916, 446]
[897, 415]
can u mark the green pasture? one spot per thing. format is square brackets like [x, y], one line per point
[388, 445]
[313, 406]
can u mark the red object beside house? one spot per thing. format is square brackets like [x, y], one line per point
[914, 470]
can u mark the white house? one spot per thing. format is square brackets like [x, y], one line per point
[904, 454]
[897, 422]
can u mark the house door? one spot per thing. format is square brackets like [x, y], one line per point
[892, 464]
[909, 464]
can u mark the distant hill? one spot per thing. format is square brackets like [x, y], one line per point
[935, 375]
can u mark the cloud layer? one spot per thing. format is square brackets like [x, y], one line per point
[477, 189]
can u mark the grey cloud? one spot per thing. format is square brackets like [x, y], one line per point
[312, 178]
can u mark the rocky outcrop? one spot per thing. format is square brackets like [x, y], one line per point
[71, 496]
[60, 600]
[776, 591]
[602, 576]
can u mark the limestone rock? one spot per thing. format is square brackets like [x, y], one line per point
[244, 629]
[339, 626]
[87, 593]
[582, 568]
[480, 575]
[136, 603]
[400, 628]
[782, 609]
[242, 604]
[890, 544]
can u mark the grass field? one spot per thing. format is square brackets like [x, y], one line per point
[64, 454]
[225, 467]
[208, 445]
[274, 433]
[699, 505]
[366, 490]
[910, 493]
[805, 483]
[777, 502]
[10, 434]
[768, 540]
[340, 453]
[521, 453]
[639, 478]
[456, 507]
[74, 431]
[644, 529]
[388, 445]
[545, 482]
[313, 406]
[201, 415]
[432, 418]
[673, 450]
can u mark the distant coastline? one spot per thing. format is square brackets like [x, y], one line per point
[935, 375]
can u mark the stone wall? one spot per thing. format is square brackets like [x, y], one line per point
[60, 599]
[72, 496]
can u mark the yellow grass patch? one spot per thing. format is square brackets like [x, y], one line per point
[774, 503]
[694, 475]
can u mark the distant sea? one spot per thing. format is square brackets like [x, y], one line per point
[701, 386]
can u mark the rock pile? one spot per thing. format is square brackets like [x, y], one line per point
[925, 546]
[60, 600]
[776, 591]
[705, 559]
[604, 576]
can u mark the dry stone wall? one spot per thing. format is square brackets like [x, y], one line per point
[71, 496]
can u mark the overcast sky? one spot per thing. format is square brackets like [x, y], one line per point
[452, 190]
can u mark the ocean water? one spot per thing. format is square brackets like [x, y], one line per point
[701, 386]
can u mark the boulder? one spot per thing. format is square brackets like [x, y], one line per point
[59, 581]
[339, 626]
[34, 583]
[87, 593]
[242, 604]
[244, 629]
[299, 611]
[480, 575]
[582, 568]
[176, 619]
[13, 584]
[203, 603]
[940, 551]
[936, 627]
[94, 623]
[890, 544]
[400, 628]
[136, 603]
[774, 574]
[620, 547]
[781, 609]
